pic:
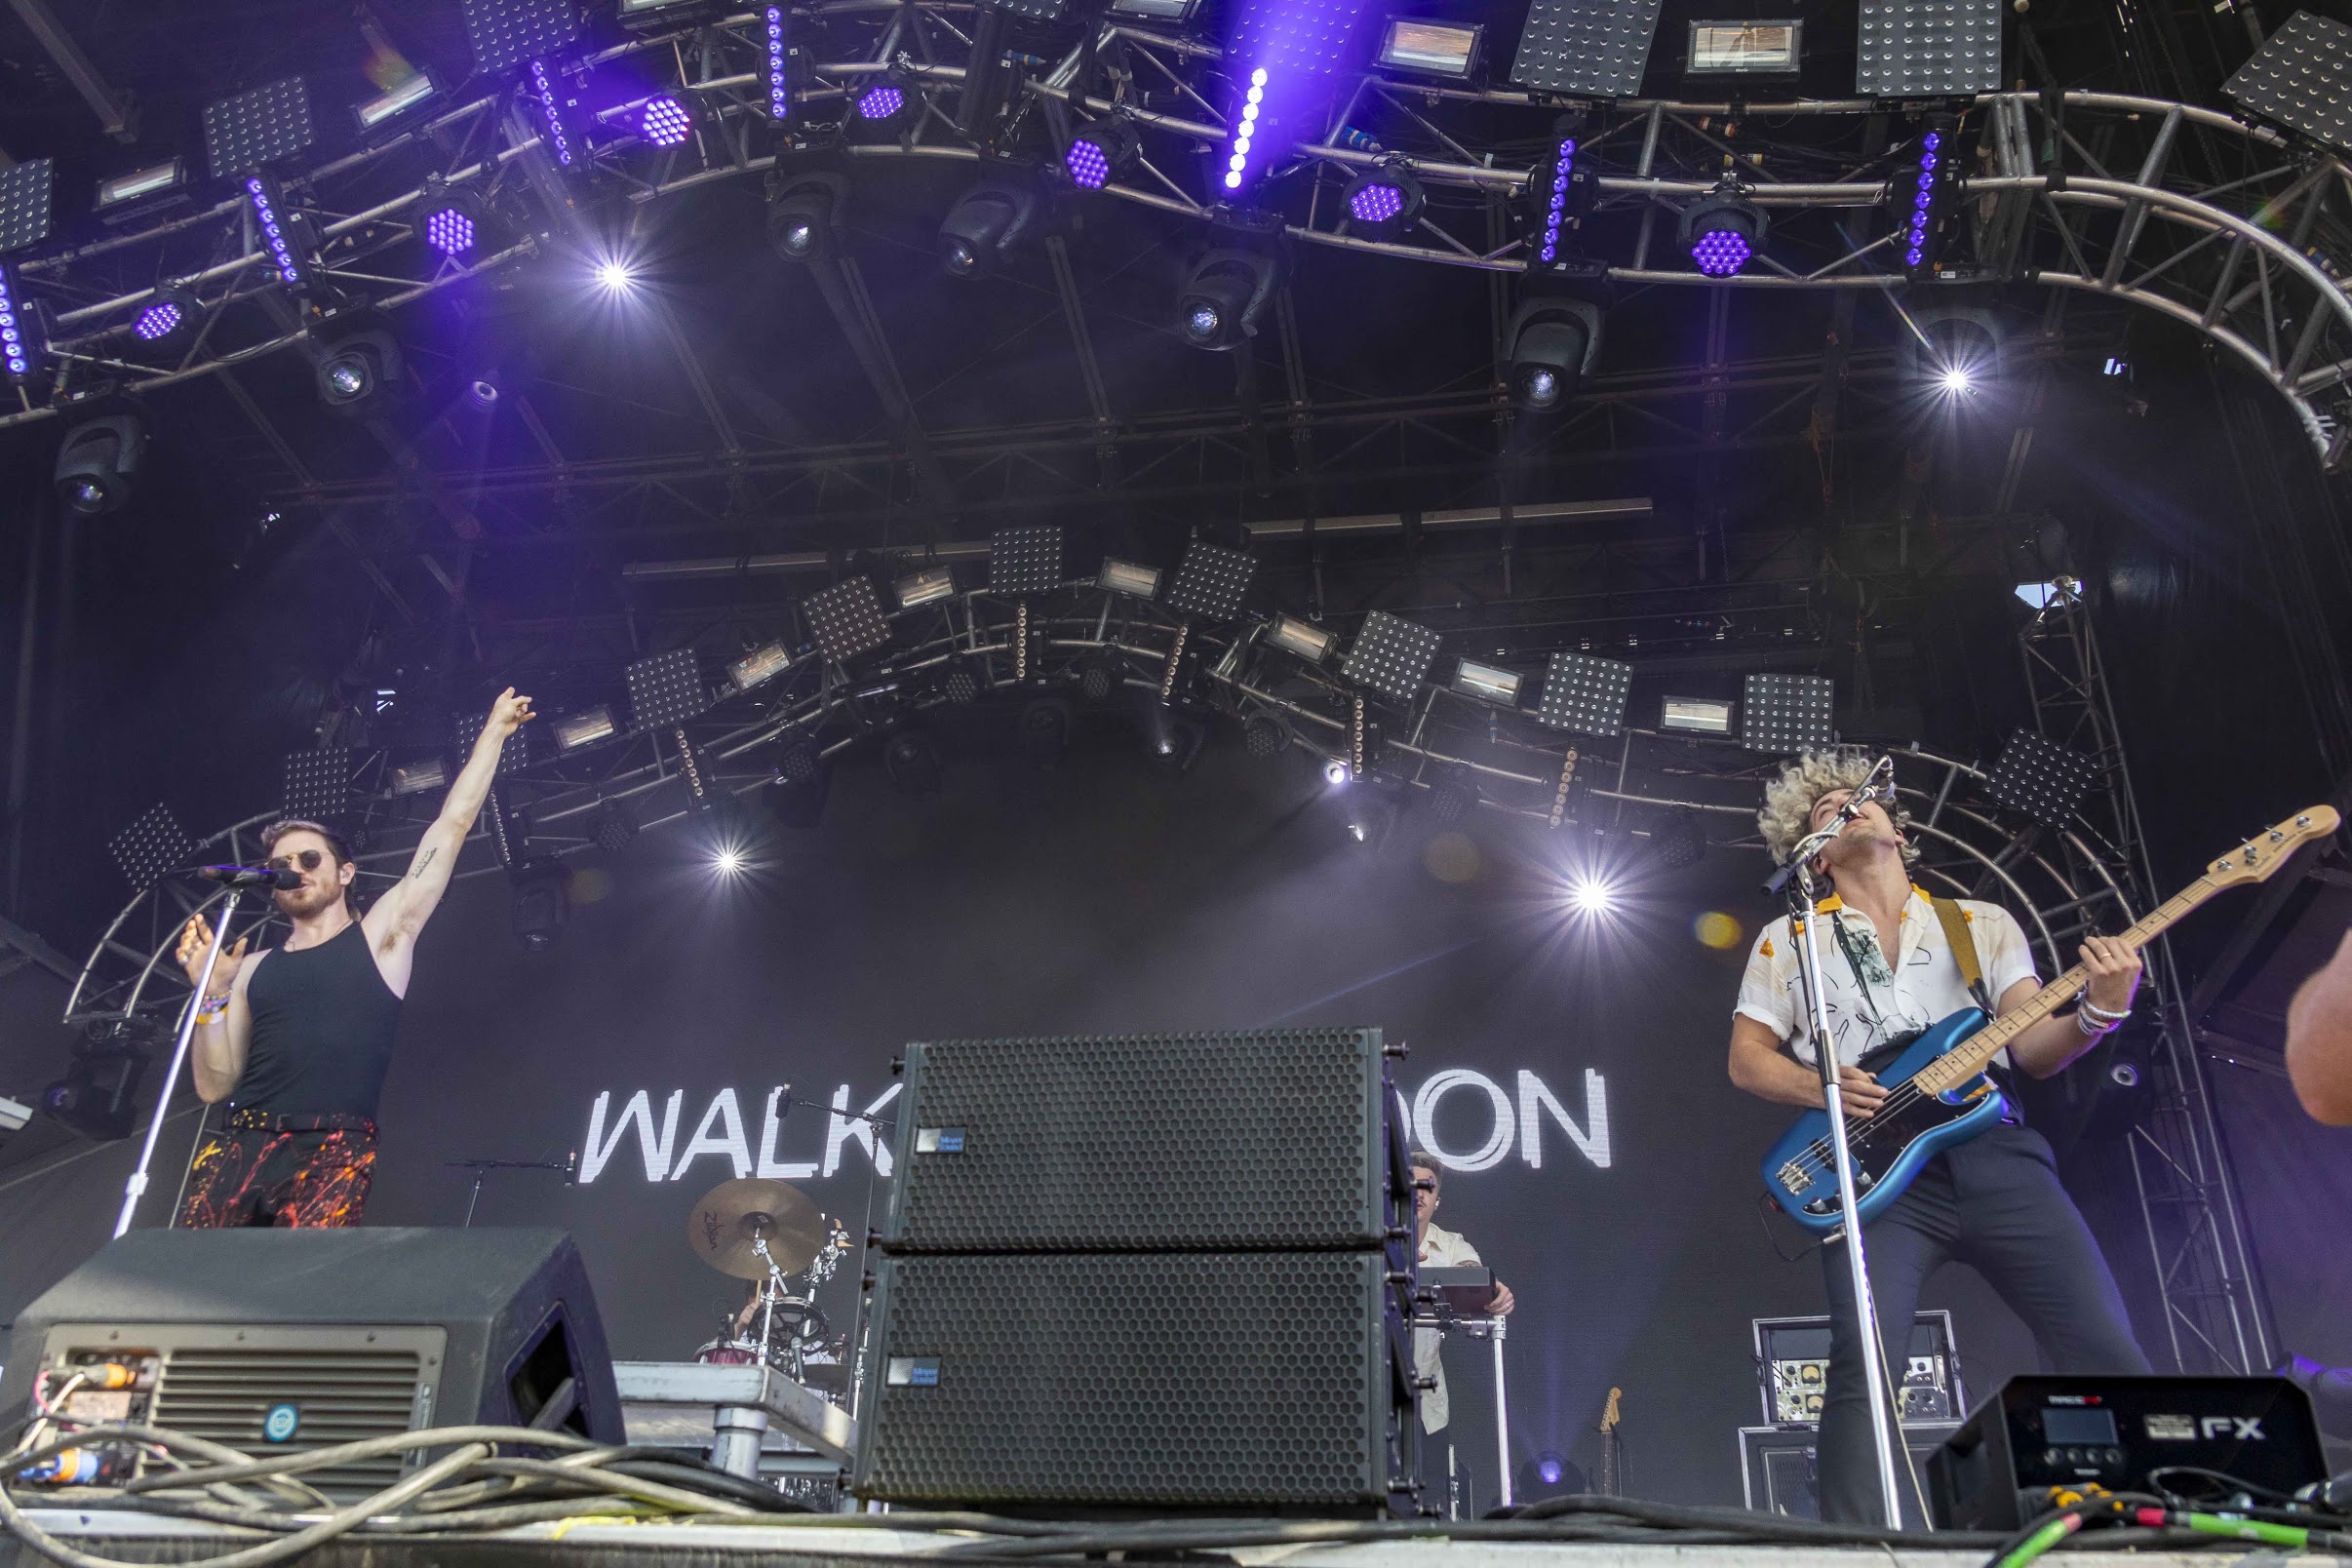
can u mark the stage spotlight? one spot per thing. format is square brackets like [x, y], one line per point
[285, 233]
[617, 277]
[1263, 738]
[450, 218]
[1128, 577]
[1335, 772]
[727, 860]
[483, 393]
[419, 87]
[1592, 895]
[1956, 380]
[882, 102]
[1564, 194]
[1921, 197]
[98, 464]
[1175, 738]
[168, 320]
[664, 121]
[142, 191]
[984, 228]
[1548, 347]
[1223, 299]
[1302, 638]
[540, 904]
[1101, 153]
[1246, 129]
[1723, 231]
[1679, 840]
[614, 829]
[23, 336]
[911, 758]
[804, 213]
[362, 366]
[1386, 200]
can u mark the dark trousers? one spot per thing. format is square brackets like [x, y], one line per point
[1995, 1204]
[265, 1169]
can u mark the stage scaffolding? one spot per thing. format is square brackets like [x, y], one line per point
[2212, 1309]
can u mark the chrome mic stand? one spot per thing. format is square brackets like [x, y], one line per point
[136, 1186]
[1794, 881]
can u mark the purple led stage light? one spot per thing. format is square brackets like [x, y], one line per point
[1375, 203]
[1236, 162]
[1922, 216]
[1720, 253]
[159, 320]
[1555, 199]
[1086, 164]
[279, 238]
[664, 122]
[551, 108]
[449, 231]
[882, 101]
[17, 349]
[778, 104]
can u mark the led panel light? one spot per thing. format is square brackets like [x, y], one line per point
[1033, 9]
[414, 779]
[664, 121]
[253, 130]
[1786, 713]
[665, 690]
[1928, 48]
[514, 753]
[141, 190]
[925, 587]
[1025, 560]
[152, 846]
[2040, 778]
[2301, 78]
[760, 664]
[1303, 639]
[418, 88]
[846, 619]
[1128, 577]
[22, 332]
[640, 13]
[776, 49]
[1586, 48]
[1429, 47]
[1210, 581]
[557, 111]
[1585, 695]
[504, 33]
[585, 728]
[282, 233]
[1391, 655]
[1744, 48]
[318, 783]
[25, 206]
[1696, 716]
[1488, 682]
[1293, 37]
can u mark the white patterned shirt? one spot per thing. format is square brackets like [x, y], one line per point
[1922, 986]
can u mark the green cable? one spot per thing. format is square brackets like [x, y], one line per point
[2270, 1535]
[2042, 1540]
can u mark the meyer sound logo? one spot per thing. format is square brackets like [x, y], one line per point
[1527, 1119]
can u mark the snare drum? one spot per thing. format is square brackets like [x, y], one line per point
[729, 1353]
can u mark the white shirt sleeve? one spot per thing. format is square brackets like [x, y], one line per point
[2002, 950]
[1764, 988]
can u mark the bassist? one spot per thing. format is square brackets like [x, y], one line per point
[1894, 962]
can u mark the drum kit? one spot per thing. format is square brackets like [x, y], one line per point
[770, 1232]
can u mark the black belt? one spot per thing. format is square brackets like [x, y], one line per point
[276, 1122]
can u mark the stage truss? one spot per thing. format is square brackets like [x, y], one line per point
[2232, 229]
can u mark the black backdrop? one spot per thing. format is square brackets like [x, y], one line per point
[1106, 895]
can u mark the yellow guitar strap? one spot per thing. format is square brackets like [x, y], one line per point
[1964, 949]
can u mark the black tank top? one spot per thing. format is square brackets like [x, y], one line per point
[323, 1023]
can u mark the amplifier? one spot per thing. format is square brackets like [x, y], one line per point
[1793, 1369]
[1283, 1139]
[2118, 1433]
[1250, 1382]
[285, 1340]
[1777, 1463]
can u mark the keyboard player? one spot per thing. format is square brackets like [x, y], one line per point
[1440, 1248]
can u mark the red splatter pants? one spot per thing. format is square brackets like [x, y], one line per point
[281, 1170]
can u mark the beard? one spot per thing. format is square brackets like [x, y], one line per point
[309, 899]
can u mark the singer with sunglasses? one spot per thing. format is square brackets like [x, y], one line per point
[297, 1039]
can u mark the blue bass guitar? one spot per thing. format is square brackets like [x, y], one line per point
[1938, 1094]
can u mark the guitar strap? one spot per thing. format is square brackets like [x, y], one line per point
[1964, 950]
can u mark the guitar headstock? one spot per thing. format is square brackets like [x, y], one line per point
[2258, 856]
[1609, 1415]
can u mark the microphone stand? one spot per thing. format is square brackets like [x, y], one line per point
[1795, 882]
[136, 1186]
[483, 1168]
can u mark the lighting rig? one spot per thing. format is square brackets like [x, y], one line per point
[1299, 97]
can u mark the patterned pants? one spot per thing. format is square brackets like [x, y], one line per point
[277, 1170]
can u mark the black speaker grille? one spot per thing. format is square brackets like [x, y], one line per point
[1271, 1138]
[1254, 1379]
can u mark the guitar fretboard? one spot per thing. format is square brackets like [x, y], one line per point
[1969, 1057]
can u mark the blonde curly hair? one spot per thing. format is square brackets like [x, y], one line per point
[1788, 799]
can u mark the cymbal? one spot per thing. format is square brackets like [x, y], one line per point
[733, 1215]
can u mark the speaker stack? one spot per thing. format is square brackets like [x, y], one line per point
[1153, 1273]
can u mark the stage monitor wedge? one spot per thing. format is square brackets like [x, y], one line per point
[1594, 49]
[2301, 78]
[1927, 49]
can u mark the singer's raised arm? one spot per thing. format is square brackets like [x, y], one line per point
[396, 917]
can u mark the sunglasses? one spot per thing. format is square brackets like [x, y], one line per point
[307, 859]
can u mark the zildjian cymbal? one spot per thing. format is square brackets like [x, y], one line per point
[734, 1215]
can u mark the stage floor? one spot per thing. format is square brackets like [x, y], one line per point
[145, 1539]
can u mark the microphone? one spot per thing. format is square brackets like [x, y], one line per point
[251, 877]
[572, 1168]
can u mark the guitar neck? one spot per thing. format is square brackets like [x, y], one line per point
[1971, 1056]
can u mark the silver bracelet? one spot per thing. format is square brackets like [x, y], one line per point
[2101, 1014]
[2093, 1027]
